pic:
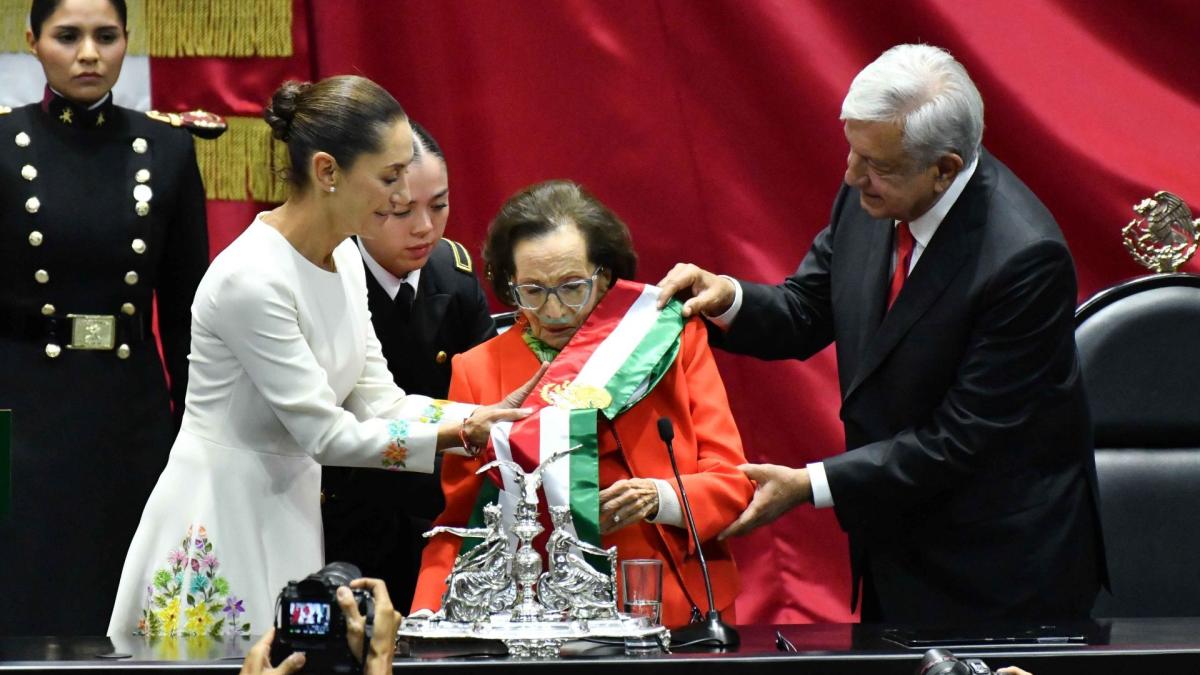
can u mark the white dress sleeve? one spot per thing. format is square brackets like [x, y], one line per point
[257, 319]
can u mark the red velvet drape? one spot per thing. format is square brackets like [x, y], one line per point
[711, 128]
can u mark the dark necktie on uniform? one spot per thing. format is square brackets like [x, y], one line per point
[904, 251]
[404, 301]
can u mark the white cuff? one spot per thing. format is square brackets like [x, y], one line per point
[822, 496]
[725, 320]
[669, 511]
[432, 411]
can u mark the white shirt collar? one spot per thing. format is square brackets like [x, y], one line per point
[923, 226]
[390, 282]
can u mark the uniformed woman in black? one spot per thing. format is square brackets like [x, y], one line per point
[426, 306]
[101, 214]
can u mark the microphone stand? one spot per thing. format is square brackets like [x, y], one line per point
[712, 631]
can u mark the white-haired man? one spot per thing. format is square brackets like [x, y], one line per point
[968, 487]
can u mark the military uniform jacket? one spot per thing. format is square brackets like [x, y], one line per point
[101, 212]
[374, 518]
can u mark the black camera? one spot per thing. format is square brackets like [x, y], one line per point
[308, 619]
[942, 662]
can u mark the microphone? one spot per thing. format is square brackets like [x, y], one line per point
[712, 632]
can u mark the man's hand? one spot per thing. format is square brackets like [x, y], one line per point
[706, 292]
[777, 489]
[258, 660]
[381, 649]
[626, 502]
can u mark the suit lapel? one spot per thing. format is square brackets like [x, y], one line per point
[871, 276]
[946, 253]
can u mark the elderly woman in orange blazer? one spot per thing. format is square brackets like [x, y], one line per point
[555, 251]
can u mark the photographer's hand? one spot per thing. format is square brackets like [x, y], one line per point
[258, 660]
[382, 648]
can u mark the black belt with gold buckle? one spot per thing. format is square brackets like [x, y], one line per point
[96, 332]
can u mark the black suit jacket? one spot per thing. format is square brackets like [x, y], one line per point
[968, 490]
[375, 518]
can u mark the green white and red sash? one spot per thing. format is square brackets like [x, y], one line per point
[616, 357]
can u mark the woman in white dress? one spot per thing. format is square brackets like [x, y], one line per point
[285, 375]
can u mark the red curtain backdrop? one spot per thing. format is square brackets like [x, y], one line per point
[712, 128]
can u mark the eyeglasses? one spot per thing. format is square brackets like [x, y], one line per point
[573, 294]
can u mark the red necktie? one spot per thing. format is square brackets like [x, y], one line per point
[904, 250]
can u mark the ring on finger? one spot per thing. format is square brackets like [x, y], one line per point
[616, 517]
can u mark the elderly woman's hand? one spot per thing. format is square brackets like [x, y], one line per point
[626, 502]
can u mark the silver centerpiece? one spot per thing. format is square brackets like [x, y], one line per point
[1165, 236]
[498, 591]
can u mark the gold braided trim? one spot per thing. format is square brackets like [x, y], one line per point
[244, 163]
[219, 27]
[14, 17]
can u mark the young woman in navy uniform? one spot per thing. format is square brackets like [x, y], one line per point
[101, 214]
[426, 305]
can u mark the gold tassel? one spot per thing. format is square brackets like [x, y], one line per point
[14, 18]
[244, 163]
[219, 27]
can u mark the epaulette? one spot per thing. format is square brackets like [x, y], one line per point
[462, 259]
[4, 110]
[201, 123]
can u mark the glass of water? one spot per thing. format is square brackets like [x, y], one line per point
[641, 588]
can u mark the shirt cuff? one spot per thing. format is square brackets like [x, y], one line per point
[669, 511]
[431, 411]
[725, 320]
[822, 496]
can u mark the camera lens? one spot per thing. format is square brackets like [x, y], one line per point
[340, 573]
[941, 662]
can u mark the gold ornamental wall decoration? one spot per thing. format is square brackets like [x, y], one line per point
[1165, 236]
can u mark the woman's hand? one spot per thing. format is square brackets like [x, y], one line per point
[478, 427]
[626, 502]
[258, 660]
[382, 648]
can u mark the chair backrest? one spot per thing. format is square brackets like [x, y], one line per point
[1139, 347]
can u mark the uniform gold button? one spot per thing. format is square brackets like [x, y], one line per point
[35, 238]
[123, 352]
[441, 357]
[41, 276]
[28, 172]
[142, 208]
[142, 193]
[22, 140]
[140, 146]
[53, 350]
[142, 175]
[33, 204]
[131, 277]
[47, 309]
[138, 246]
[128, 308]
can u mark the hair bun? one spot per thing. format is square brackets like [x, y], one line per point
[280, 113]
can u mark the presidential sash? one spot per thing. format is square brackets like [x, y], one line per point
[617, 356]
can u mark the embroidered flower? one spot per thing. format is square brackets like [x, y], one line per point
[195, 608]
[395, 455]
[233, 607]
[434, 412]
[199, 583]
[168, 616]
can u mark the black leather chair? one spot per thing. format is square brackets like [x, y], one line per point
[1139, 344]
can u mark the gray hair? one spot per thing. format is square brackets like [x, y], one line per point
[925, 91]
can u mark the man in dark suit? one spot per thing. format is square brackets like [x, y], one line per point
[968, 490]
[426, 306]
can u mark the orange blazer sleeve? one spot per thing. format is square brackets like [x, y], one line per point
[709, 456]
[460, 485]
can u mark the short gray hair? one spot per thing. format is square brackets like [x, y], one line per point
[925, 91]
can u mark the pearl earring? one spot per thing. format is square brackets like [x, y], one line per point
[332, 189]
